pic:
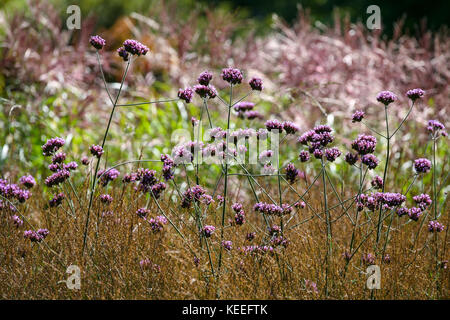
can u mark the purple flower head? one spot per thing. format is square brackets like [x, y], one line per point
[107, 175]
[157, 189]
[414, 213]
[434, 226]
[232, 76]
[256, 84]
[85, 161]
[291, 172]
[16, 221]
[122, 52]
[237, 207]
[415, 94]
[228, 245]
[272, 209]
[423, 201]
[358, 116]
[250, 115]
[290, 127]
[71, 166]
[56, 200]
[274, 124]
[27, 181]
[387, 258]
[142, 212]
[386, 97]
[377, 182]
[36, 236]
[53, 167]
[186, 94]
[303, 156]
[96, 151]
[52, 145]
[364, 144]
[300, 204]
[58, 177]
[402, 211]
[243, 106]
[135, 47]
[370, 161]
[106, 198]
[239, 218]
[97, 42]
[274, 230]
[207, 231]
[368, 259]
[351, 158]
[318, 154]
[59, 157]
[422, 165]
[250, 236]
[204, 78]
[332, 154]
[158, 223]
[436, 128]
[203, 91]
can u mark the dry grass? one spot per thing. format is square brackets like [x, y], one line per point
[110, 267]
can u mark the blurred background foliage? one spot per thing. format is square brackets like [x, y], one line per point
[318, 63]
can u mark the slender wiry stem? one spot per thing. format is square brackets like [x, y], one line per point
[386, 166]
[94, 179]
[224, 189]
[328, 223]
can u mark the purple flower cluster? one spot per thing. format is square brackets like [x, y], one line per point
[13, 191]
[168, 167]
[52, 145]
[122, 52]
[107, 175]
[332, 154]
[16, 221]
[56, 200]
[303, 156]
[279, 241]
[158, 189]
[204, 78]
[274, 124]
[256, 84]
[300, 205]
[157, 224]
[434, 226]
[57, 178]
[377, 182]
[97, 42]
[135, 47]
[196, 193]
[290, 127]
[207, 231]
[422, 165]
[142, 212]
[36, 236]
[84, 161]
[414, 213]
[415, 94]
[186, 94]
[364, 144]
[317, 139]
[106, 198]
[436, 128]
[232, 76]
[370, 161]
[272, 209]
[227, 244]
[385, 200]
[368, 259]
[27, 181]
[59, 157]
[386, 97]
[351, 158]
[96, 150]
[291, 172]
[358, 116]
[423, 201]
[244, 106]
[250, 236]
[203, 91]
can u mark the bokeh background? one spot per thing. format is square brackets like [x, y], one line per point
[318, 60]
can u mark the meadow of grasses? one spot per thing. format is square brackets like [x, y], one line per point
[213, 163]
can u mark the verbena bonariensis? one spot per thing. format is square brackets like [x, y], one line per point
[193, 201]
